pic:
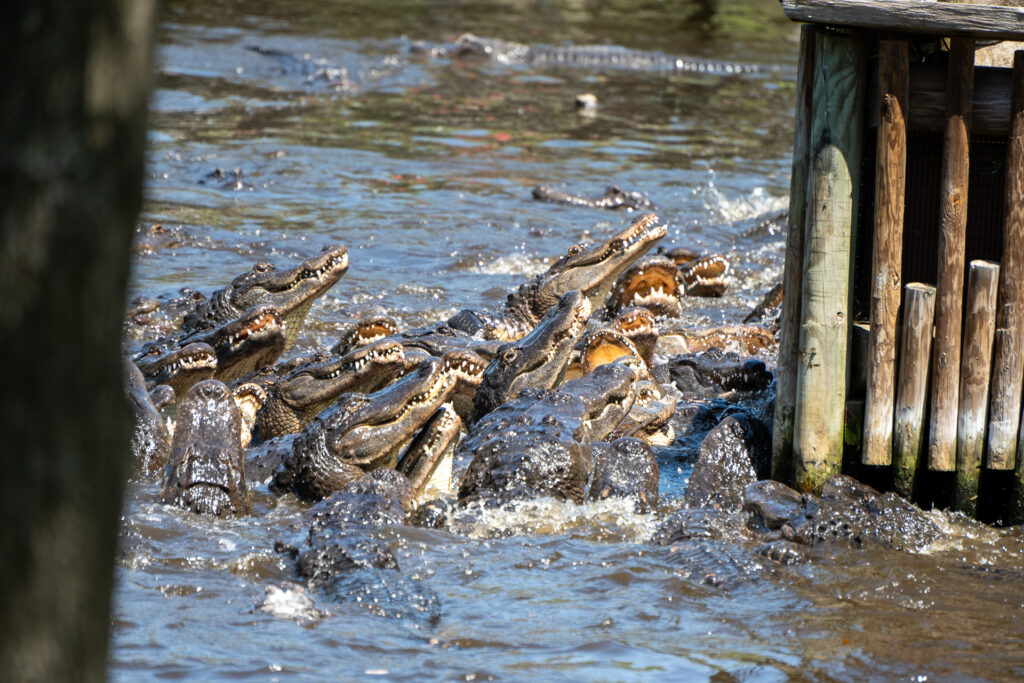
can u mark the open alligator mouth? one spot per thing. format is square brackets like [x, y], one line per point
[634, 322]
[465, 366]
[327, 266]
[265, 320]
[604, 346]
[746, 339]
[724, 374]
[163, 366]
[651, 283]
[365, 332]
[706, 276]
[385, 353]
[427, 462]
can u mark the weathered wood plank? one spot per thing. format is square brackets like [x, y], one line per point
[990, 104]
[1008, 369]
[942, 18]
[789, 333]
[887, 256]
[912, 394]
[835, 143]
[952, 237]
[975, 370]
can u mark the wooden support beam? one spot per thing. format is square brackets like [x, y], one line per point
[887, 257]
[1008, 370]
[975, 370]
[789, 333]
[918, 16]
[912, 394]
[835, 144]
[952, 235]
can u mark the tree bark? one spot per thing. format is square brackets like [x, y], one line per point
[74, 82]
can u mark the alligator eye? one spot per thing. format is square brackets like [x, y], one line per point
[155, 351]
[261, 267]
[509, 355]
[575, 249]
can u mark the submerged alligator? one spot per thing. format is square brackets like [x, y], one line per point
[606, 57]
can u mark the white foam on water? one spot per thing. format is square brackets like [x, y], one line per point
[516, 263]
[289, 603]
[729, 210]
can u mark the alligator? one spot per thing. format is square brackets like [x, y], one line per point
[736, 453]
[651, 282]
[648, 418]
[363, 332]
[590, 269]
[706, 276]
[179, 367]
[588, 56]
[438, 340]
[299, 396]
[148, 317]
[151, 440]
[249, 398]
[613, 198]
[540, 443]
[537, 360]
[290, 292]
[340, 551]
[637, 324]
[768, 310]
[715, 374]
[244, 344]
[750, 340]
[362, 432]
[206, 472]
[625, 468]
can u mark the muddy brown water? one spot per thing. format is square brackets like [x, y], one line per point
[424, 167]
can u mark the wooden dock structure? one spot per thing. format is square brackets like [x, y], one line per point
[901, 354]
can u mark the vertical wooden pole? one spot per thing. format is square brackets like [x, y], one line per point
[1007, 373]
[950, 286]
[887, 259]
[789, 333]
[975, 370]
[915, 354]
[835, 143]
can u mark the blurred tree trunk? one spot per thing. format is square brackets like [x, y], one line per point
[74, 80]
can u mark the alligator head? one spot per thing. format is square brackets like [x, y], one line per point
[363, 332]
[291, 292]
[306, 391]
[706, 276]
[206, 473]
[538, 359]
[589, 269]
[750, 340]
[179, 367]
[650, 282]
[362, 432]
[716, 374]
[613, 197]
[427, 462]
[245, 344]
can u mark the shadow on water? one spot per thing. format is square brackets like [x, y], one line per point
[340, 129]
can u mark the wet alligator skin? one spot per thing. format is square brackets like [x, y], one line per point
[626, 468]
[151, 441]
[338, 548]
[540, 444]
[206, 472]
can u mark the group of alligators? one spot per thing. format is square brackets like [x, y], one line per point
[562, 393]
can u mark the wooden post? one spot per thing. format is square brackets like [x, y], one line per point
[1007, 373]
[915, 354]
[887, 259]
[975, 370]
[789, 333]
[835, 143]
[949, 290]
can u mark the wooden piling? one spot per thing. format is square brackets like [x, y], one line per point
[789, 333]
[835, 144]
[1008, 368]
[912, 392]
[949, 289]
[887, 257]
[975, 370]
